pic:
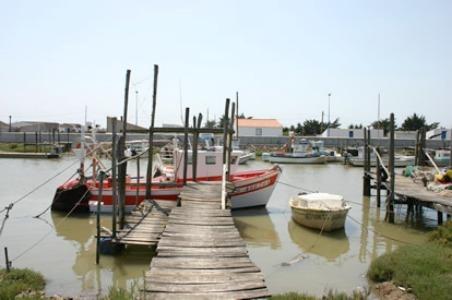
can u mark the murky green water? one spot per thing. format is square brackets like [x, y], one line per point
[293, 258]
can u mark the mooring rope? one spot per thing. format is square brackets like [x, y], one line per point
[50, 231]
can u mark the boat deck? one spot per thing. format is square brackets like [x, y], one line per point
[201, 254]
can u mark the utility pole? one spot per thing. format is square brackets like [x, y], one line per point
[9, 123]
[329, 109]
[136, 107]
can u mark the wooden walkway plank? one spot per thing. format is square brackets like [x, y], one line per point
[201, 255]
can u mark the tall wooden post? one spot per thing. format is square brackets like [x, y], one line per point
[7, 261]
[194, 152]
[422, 148]
[366, 179]
[36, 141]
[114, 177]
[122, 170]
[390, 203]
[237, 114]
[230, 135]
[416, 149]
[137, 197]
[187, 119]
[196, 126]
[450, 146]
[225, 129]
[151, 136]
[379, 168]
[99, 200]
[25, 140]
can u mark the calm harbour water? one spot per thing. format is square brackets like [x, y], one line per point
[292, 258]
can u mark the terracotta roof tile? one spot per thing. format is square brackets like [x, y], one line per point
[259, 123]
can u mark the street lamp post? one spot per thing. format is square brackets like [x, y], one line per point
[329, 109]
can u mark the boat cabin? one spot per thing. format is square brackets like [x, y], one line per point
[209, 163]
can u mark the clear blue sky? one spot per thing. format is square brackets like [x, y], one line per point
[282, 56]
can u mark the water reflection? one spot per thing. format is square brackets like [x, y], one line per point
[329, 245]
[256, 227]
[124, 267]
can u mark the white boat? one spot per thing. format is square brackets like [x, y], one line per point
[301, 153]
[441, 158]
[400, 161]
[322, 211]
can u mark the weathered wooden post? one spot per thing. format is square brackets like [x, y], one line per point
[36, 141]
[194, 152]
[187, 119]
[151, 137]
[379, 168]
[225, 129]
[416, 149]
[122, 170]
[196, 126]
[25, 140]
[99, 200]
[422, 160]
[390, 203]
[366, 179]
[450, 154]
[7, 262]
[230, 135]
[137, 199]
[114, 177]
[237, 114]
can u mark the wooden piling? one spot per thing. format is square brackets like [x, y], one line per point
[196, 126]
[151, 137]
[122, 170]
[187, 119]
[114, 177]
[366, 179]
[25, 140]
[99, 200]
[390, 200]
[237, 115]
[379, 169]
[194, 152]
[230, 135]
[416, 148]
[450, 154]
[138, 180]
[440, 217]
[422, 144]
[36, 141]
[225, 129]
[7, 262]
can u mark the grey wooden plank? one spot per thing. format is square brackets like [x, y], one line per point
[196, 272]
[200, 262]
[197, 288]
[230, 278]
[247, 294]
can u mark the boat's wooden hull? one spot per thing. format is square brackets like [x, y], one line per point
[326, 220]
[287, 159]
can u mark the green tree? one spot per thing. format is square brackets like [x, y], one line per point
[335, 124]
[299, 129]
[311, 127]
[416, 122]
[383, 124]
[355, 126]
[210, 124]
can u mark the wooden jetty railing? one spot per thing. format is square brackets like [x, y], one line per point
[201, 254]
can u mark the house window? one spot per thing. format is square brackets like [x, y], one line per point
[211, 160]
[258, 131]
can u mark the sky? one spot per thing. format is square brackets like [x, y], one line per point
[283, 57]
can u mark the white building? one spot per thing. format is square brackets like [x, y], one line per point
[260, 127]
[351, 133]
[438, 134]
[405, 135]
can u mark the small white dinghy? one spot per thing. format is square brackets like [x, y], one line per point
[322, 211]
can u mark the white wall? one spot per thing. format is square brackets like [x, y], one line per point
[357, 133]
[435, 134]
[266, 131]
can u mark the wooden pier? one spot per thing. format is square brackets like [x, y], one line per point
[201, 254]
[145, 225]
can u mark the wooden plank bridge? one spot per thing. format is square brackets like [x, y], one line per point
[201, 254]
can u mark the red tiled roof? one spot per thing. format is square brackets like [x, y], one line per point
[259, 123]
